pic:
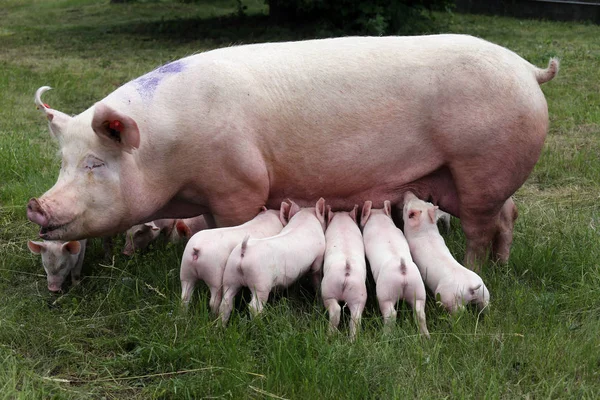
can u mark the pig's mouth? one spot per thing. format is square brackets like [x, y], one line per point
[46, 231]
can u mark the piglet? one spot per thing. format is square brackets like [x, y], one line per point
[206, 253]
[262, 264]
[188, 227]
[344, 269]
[59, 259]
[396, 275]
[454, 284]
[138, 237]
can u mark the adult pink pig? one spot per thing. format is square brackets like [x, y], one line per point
[228, 131]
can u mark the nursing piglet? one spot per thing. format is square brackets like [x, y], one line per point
[262, 264]
[206, 253]
[59, 260]
[454, 284]
[344, 269]
[138, 237]
[396, 275]
[188, 227]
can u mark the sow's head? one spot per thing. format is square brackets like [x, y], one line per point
[88, 197]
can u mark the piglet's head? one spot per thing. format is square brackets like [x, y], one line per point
[96, 174]
[368, 211]
[417, 213]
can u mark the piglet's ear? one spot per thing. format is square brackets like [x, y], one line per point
[283, 213]
[294, 208]
[263, 208]
[353, 212]
[320, 210]
[36, 247]
[152, 226]
[387, 208]
[115, 127]
[329, 215]
[366, 213]
[182, 229]
[71, 247]
[414, 214]
[431, 211]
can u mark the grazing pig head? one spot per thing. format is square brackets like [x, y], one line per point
[56, 259]
[97, 167]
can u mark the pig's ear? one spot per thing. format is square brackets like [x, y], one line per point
[152, 226]
[320, 210]
[329, 215]
[294, 208]
[263, 208]
[387, 208]
[413, 216]
[71, 247]
[182, 229]
[56, 119]
[353, 212]
[432, 215]
[283, 213]
[366, 213]
[36, 247]
[115, 127]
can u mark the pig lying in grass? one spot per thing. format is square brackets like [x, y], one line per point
[280, 260]
[344, 269]
[396, 275]
[206, 253]
[452, 283]
[59, 260]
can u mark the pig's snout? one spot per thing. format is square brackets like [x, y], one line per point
[36, 214]
[128, 251]
[54, 287]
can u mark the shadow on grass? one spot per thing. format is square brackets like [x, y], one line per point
[222, 30]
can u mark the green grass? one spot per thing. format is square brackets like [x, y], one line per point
[121, 334]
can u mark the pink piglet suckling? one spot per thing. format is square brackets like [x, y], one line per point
[206, 253]
[277, 261]
[344, 269]
[396, 275]
[451, 282]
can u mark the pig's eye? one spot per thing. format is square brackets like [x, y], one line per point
[93, 162]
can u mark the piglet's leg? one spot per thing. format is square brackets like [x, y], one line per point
[356, 311]
[226, 306]
[419, 308]
[389, 314]
[187, 288]
[259, 298]
[216, 295]
[334, 310]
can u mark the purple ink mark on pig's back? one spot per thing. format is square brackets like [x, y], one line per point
[147, 84]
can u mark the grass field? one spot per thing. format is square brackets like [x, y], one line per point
[121, 334]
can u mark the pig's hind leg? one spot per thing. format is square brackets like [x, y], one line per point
[226, 306]
[257, 303]
[334, 310]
